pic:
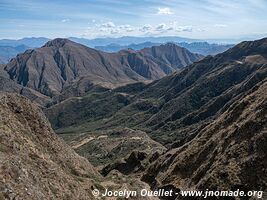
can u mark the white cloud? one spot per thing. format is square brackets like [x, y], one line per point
[109, 28]
[145, 28]
[108, 25]
[184, 29]
[126, 27]
[165, 28]
[220, 25]
[161, 27]
[114, 31]
[65, 20]
[164, 11]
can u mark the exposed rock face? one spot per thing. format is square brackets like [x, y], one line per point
[227, 154]
[59, 62]
[155, 62]
[34, 162]
[8, 85]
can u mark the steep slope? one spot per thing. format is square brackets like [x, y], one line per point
[34, 162]
[171, 55]
[175, 107]
[60, 62]
[8, 85]
[227, 154]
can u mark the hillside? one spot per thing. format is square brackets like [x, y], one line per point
[227, 154]
[8, 85]
[35, 163]
[60, 62]
[174, 107]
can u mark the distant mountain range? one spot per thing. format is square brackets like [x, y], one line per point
[30, 42]
[40, 41]
[203, 48]
[10, 48]
[8, 52]
[60, 62]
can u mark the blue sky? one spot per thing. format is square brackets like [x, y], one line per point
[114, 18]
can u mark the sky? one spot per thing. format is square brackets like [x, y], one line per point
[199, 19]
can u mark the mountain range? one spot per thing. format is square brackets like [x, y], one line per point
[161, 117]
[211, 116]
[61, 62]
[10, 48]
[175, 104]
[203, 48]
[40, 41]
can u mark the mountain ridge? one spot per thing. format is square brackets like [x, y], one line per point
[174, 107]
[61, 61]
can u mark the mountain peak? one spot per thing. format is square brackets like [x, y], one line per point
[58, 42]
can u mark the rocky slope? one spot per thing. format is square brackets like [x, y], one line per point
[175, 107]
[60, 62]
[35, 163]
[227, 154]
[8, 85]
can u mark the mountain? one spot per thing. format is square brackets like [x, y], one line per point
[203, 48]
[61, 62]
[211, 116]
[8, 52]
[227, 154]
[175, 107]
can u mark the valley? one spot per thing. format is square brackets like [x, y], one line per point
[157, 118]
